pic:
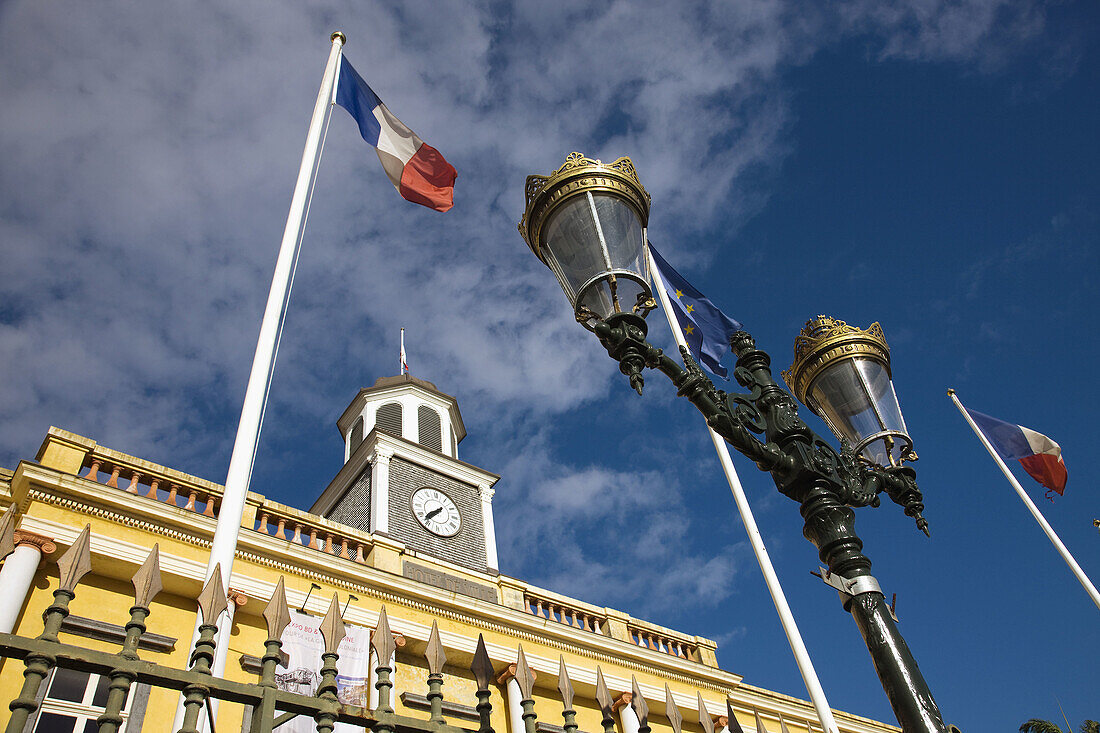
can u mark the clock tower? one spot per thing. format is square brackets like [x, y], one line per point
[402, 478]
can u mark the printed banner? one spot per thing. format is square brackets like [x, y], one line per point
[303, 643]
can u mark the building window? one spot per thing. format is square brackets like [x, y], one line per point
[431, 431]
[73, 702]
[388, 418]
[356, 436]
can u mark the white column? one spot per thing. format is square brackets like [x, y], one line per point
[380, 491]
[18, 574]
[486, 492]
[627, 716]
[515, 705]
[514, 698]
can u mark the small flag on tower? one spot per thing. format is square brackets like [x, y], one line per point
[706, 328]
[1040, 456]
[416, 169]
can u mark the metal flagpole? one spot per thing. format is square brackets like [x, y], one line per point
[224, 546]
[786, 618]
[1051, 535]
[404, 360]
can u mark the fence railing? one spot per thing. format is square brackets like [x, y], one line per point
[267, 706]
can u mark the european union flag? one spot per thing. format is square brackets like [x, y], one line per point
[707, 329]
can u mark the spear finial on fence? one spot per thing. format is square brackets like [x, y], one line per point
[638, 703]
[526, 682]
[332, 631]
[7, 532]
[482, 668]
[434, 653]
[436, 660]
[523, 674]
[277, 613]
[332, 627]
[77, 561]
[277, 616]
[704, 716]
[672, 711]
[607, 705]
[212, 601]
[382, 642]
[565, 687]
[147, 582]
[384, 647]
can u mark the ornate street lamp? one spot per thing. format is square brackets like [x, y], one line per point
[842, 373]
[586, 221]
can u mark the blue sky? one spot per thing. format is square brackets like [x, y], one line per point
[930, 165]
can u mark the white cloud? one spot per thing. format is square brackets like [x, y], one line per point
[149, 152]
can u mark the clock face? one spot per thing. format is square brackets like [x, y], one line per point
[436, 511]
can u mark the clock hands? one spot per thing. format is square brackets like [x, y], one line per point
[433, 512]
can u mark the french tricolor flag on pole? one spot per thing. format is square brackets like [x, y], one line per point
[417, 170]
[1039, 455]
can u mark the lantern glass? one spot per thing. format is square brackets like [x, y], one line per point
[594, 244]
[856, 398]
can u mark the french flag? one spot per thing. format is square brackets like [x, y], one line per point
[1039, 455]
[417, 171]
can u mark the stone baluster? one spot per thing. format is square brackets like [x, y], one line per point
[263, 523]
[279, 529]
[93, 470]
[208, 510]
[113, 481]
[135, 479]
[154, 482]
[190, 505]
[172, 492]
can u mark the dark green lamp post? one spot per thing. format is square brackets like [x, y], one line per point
[587, 222]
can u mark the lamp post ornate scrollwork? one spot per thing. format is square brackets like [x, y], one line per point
[586, 222]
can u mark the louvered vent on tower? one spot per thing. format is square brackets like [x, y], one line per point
[356, 436]
[431, 431]
[388, 418]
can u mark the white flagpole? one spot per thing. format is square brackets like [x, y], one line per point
[1051, 535]
[224, 546]
[786, 618]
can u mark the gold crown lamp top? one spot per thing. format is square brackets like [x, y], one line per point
[577, 175]
[824, 341]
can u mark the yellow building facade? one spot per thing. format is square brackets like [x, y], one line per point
[404, 525]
